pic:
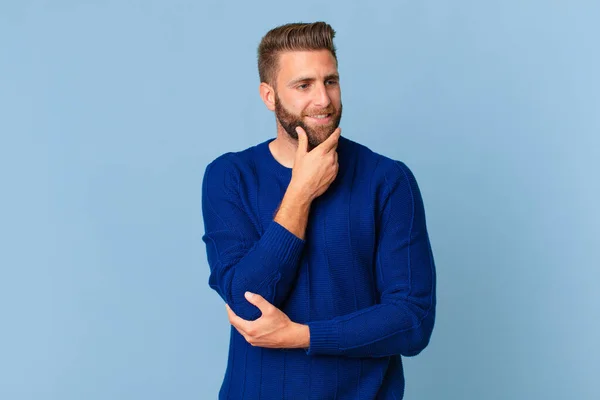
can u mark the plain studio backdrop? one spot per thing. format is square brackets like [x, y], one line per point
[111, 110]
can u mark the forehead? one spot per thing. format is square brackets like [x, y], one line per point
[313, 63]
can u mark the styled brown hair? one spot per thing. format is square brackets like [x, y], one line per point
[295, 36]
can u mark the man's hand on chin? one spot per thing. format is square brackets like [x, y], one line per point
[273, 329]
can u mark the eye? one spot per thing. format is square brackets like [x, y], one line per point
[303, 86]
[332, 82]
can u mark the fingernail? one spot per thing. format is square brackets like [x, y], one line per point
[249, 295]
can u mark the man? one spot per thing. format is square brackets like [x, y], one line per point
[318, 245]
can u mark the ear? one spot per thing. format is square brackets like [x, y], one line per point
[267, 94]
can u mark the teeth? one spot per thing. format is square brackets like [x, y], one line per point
[320, 116]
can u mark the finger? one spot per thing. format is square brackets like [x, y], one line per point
[302, 140]
[230, 313]
[331, 142]
[263, 305]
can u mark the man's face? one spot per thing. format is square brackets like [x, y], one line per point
[308, 94]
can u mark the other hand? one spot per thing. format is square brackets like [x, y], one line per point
[273, 329]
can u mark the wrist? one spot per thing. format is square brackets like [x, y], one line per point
[298, 196]
[301, 336]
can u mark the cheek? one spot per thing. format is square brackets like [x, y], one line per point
[296, 104]
[335, 96]
[299, 106]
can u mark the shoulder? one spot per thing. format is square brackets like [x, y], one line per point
[382, 168]
[233, 162]
[227, 168]
[391, 180]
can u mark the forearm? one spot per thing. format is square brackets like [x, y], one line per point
[268, 268]
[377, 331]
[293, 211]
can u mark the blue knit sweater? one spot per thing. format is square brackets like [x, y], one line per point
[363, 279]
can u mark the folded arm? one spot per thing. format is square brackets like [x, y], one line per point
[240, 258]
[403, 320]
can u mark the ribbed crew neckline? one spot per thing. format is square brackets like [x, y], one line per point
[273, 164]
[270, 160]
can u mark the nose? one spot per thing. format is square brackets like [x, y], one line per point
[321, 98]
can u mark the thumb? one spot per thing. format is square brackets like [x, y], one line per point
[302, 140]
[259, 301]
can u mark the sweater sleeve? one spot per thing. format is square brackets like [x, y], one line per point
[240, 258]
[403, 320]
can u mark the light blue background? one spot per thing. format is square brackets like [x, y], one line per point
[110, 111]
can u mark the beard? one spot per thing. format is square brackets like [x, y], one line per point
[315, 134]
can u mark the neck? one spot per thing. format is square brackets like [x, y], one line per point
[284, 148]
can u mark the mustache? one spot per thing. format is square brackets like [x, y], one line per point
[329, 110]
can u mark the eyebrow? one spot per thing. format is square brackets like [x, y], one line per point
[309, 79]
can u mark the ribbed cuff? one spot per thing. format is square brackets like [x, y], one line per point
[282, 245]
[324, 338]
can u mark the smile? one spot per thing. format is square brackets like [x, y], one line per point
[320, 118]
